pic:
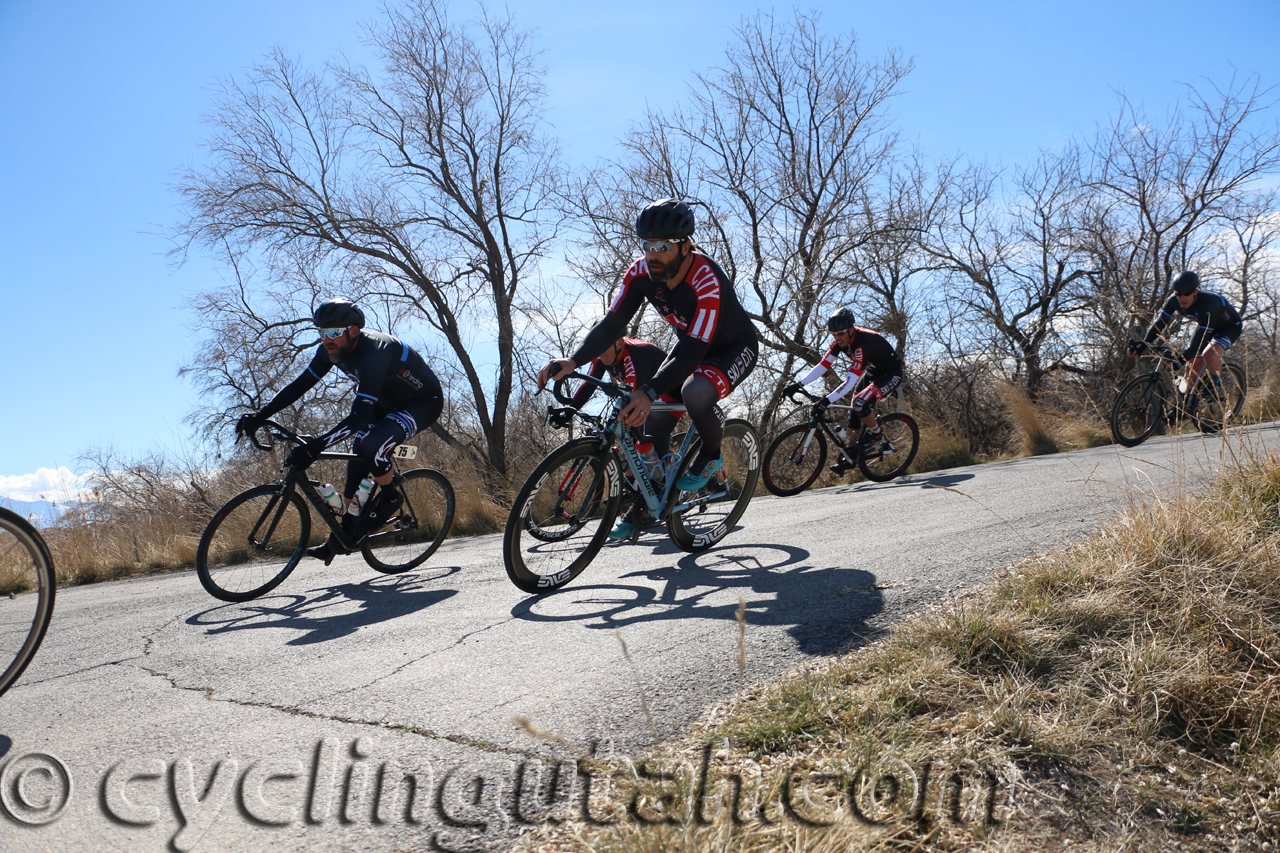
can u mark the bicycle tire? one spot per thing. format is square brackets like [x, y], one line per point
[556, 530]
[1138, 411]
[1210, 414]
[703, 526]
[228, 567]
[904, 437]
[28, 587]
[416, 531]
[792, 463]
[583, 497]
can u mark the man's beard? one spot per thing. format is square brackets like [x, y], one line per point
[668, 272]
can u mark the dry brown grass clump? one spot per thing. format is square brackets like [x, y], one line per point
[1034, 436]
[1121, 694]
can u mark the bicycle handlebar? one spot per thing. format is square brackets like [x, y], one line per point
[279, 431]
[1159, 349]
[611, 388]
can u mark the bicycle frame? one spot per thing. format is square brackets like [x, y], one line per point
[292, 480]
[614, 433]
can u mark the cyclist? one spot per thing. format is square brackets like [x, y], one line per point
[1218, 327]
[869, 352]
[716, 344]
[397, 396]
[628, 361]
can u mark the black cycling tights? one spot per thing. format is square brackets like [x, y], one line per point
[700, 398]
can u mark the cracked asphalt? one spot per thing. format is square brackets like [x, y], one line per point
[349, 710]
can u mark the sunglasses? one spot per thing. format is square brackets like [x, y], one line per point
[329, 334]
[658, 246]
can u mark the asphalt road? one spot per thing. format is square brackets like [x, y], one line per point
[155, 718]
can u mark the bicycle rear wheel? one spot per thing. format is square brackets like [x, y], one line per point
[27, 589]
[727, 495]
[252, 543]
[1138, 411]
[561, 516]
[890, 459]
[423, 522]
[795, 459]
[1215, 407]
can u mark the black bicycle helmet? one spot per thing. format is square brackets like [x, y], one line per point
[1186, 282]
[665, 219]
[338, 314]
[839, 321]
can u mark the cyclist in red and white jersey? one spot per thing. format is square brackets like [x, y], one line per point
[716, 343]
[869, 353]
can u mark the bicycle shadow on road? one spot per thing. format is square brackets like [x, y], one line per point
[330, 613]
[824, 608]
[942, 480]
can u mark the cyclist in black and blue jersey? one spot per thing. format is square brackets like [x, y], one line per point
[397, 396]
[1218, 326]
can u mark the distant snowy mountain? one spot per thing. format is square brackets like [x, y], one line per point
[39, 513]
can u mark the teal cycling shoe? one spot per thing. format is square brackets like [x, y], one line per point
[622, 530]
[692, 481]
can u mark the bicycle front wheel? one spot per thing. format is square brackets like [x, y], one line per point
[253, 543]
[561, 516]
[27, 588]
[719, 504]
[795, 459]
[1138, 410]
[413, 535]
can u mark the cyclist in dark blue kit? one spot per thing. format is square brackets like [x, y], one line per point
[397, 396]
[716, 344]
[1218, 327]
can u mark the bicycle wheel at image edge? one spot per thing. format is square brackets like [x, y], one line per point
[795, 460]
[27, 591]
[1212, 410]
[903, 435]
[252, 544]
[1138, 410]
[577, 488]
[702, 526]
[419, 527]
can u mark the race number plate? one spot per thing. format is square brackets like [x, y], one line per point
[405, 451]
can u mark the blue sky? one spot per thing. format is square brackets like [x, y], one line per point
[101, 103]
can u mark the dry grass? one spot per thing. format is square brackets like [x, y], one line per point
[1263, 402]
[1124, 694]
[1034, 435]
[162, 535]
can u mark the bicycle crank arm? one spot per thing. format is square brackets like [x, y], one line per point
[705, 499]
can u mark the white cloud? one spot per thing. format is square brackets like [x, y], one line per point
[46, 484]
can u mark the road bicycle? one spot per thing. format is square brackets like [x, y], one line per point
[27, 588]
[260, 535]
[1151, 400]
[796, 457]
[563, 513]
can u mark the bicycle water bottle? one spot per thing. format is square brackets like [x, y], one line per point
[331, 496]
[841, 435]
[362, 495]
[651, 460]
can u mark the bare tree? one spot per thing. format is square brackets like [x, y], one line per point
[1162, 192]
[1010, 260]
[424, 187]
[779, 150]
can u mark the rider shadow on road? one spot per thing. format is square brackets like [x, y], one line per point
[327, 614]
[941, 480]
[825, 607]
